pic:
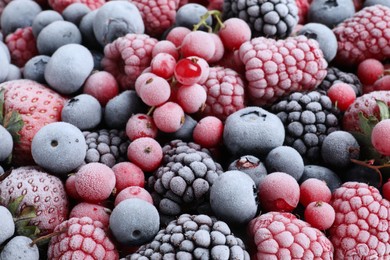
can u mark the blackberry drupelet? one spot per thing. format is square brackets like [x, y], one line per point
[108, 146]
[177, 146]
[335, 75]
[270, 18]
[308, 118]
[193, 237]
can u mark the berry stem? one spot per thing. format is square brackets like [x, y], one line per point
[150, 111]
[376, 168]
[47, 237]
[6, 174]
[216, 14]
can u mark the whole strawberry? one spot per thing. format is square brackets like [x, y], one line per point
[37, 105]
[40, 190]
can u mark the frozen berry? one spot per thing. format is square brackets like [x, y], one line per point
[278, 191]
[369, 71]
[386, 190]
[155, 91]
[382, 83]
[185, 131]
[342, 95]
[187, 71]
[133, 192]
[190, 14]
[101, 85]
[70, 187]
[320, 215]
[234, 32]
[252, 166]
[43, 19]
[7, 224]
[312, 190]
[380, 137]
[141, 125]
[169, 117]
[22, 46]
[219, 49]
[128, 174]
[163, 65]
[208, 132]
[285, 159]
[75, 12]
[7, 144]
[20, 247]
[191, 98]
[34, 68]
[330, 13]
[94, 211]
[198, 43]
[177, 34]
[167, 47]
[14, 73]
[146, 153]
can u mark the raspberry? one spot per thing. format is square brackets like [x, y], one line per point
[369, 71]
[234, 33]
[81, 238]
[282, 236]
[277, 68]
[360, 230]
[60, 5]
[380, 137]
[208, 132]
[127, 56]
[22, 46]
[225, 92]
[342, 95]
[158, 16]
[146, 153]
[364, 36]
[312, 190]
[320, 215]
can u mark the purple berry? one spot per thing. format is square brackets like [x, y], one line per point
[330, 12]
[75, 12]
[43, 19]
[285, 159]
[34, 69]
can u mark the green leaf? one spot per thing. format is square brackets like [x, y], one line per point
[13, 122]
[14, 205]
[28, 212]
[367, 124]
[383, 109]
[1, 105]
[28, 231]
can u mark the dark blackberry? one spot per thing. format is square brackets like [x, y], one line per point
[108, 146]
[182, 184]
[270, 18]
[193, 237]
[335, 75]
[308, 118]
[175, 147]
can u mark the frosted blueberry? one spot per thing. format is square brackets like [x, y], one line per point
[19, 248]
[43, 19]
[6, 142]
[34, 68]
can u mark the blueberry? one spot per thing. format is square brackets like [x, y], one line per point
[75, 12]
[68, 68]
[116, 19]
[14, 72]
[330, 12]
[86, 29]
[20, 247]
[134, 222]
[252, 166]
[59, 147]
[97, 60]
[338, 148]
[120, 108]
[322, 173]
[43, 19]
[7, 224]
[6, 51]
[376, 2]
[4, 65]
[233, 197]
[190, 14]
[325, 37]
[253, 130]
[285, 159]
[1, 170]
[57, 34]
[83, 111]
[34, 68]
[7, 144]
[18, 14]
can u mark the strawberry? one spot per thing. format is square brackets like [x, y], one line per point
[37, 105]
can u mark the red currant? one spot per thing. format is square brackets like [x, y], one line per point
[187, 71]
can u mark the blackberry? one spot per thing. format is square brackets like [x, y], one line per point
[335, 75]
[177, 146]
[308, 118]
[193, 237]
[182, 184]
[270, 18]
[108, 146]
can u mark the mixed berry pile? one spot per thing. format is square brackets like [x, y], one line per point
[194, 129]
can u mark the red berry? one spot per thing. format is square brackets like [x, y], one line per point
[102, 85]
[169, 117]
[133, 192]
[155, 91]
[219, 49]
[70, 187]
[128, 174]
[177, 34]
[383, 83]
[191, 98]
[165, 47]
[208, 132]
[314, 190]
[386, 190]
[234, 33]
[163, 65]
[141, 80]
[369, 71]
[187, 71]
[93, 211]
[380, 137]
[342, 95]
[320, 215]
[140, 125]
[198, 43]
[146, 153]
[204, 65]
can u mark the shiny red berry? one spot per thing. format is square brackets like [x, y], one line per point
[187, 71]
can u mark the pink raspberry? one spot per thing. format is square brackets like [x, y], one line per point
[365, 35]
[225, 92]
[275, 68]
[60, 5]
[279, 235]
[361, 227]
[81, 238]
[22, 46]
[157, 15]
[127, 56]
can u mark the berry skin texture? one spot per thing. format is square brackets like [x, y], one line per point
[94, 211]
[133, 192]
[208, 132]
[169, 117]
[167, 47]
[234, 33]
[369, 71]
[386, 190]
[322, 173]
[60, 5]
[70, 187]
[383, 83]
[101, 85]
[141, 125]
[330, 13]
[312, 190]
[155, 91]
[278, 191]
[81, 238]
[7, 144]
[22, 46]
[191, 98]
[285, 159]
[187, 71]
[128, 174]
[163, 65]
[177, 35]
[361, 224]
[380, 137]
[198, 43]
[342, 95]
[94, 182]
[146, 153]
[320, 215]
[252, 166]
[19, 248]
[7, 224]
